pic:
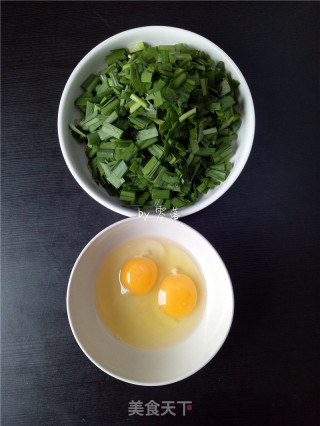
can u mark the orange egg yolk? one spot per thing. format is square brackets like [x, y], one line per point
[177, 295]
[139, 275]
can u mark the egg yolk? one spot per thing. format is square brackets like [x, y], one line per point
[177, 295]
[139, 275]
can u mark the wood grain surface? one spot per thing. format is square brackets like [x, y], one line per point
[266, 227]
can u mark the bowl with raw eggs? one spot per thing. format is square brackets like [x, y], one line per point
[150, 301]
[97, 163]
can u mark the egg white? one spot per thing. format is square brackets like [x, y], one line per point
[137, 320]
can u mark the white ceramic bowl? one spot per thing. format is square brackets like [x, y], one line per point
[149, 367]
[94, 61]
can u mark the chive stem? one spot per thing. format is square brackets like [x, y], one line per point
[138, 100]
[187, 114]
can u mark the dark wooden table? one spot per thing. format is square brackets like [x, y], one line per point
[266, 227]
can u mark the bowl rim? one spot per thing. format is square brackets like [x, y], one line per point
[200, 204]
[191, 372]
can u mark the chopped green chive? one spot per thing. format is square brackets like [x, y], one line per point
[204, 86]
[117, 54]
[76, 130]
[127, 195]
[136, 47]
[111, 177]
[151, 167]
[187, 114]
[147, 134]
[210, 131]
[146, 142]
[158, 124]
[160, 194]
[111, 131]
[139, 100]
[194, 146]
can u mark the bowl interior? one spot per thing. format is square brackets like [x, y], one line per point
[149, 367]
[94, 61]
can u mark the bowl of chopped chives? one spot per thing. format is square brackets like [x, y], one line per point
[156, 119]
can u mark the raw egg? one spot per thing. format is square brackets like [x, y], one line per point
[127, 290]
[177, 295]
[139, 275]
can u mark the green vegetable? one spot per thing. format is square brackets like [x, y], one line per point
[158, 123]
